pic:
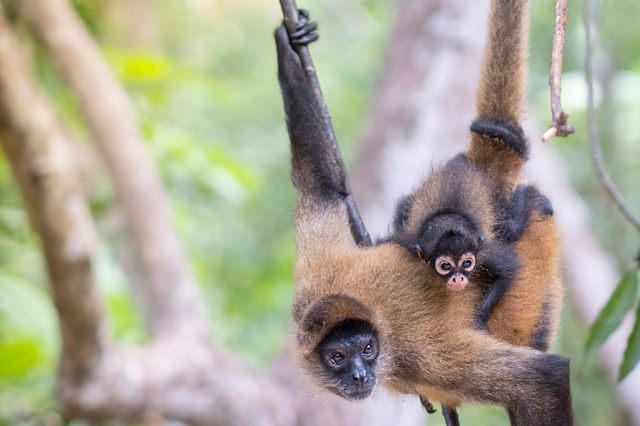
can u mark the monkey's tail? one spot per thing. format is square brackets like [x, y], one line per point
[498, 145]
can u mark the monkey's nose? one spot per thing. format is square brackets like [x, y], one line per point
[457, 282]
[359, 373]
[359, 376]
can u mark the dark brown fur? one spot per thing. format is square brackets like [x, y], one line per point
[528, 313]
[427, 342]
[495, 170]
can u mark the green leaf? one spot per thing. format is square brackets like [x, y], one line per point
[18, 358]
[632, 353]
[622, 301]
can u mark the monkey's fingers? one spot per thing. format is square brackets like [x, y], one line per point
[427, 405]
[305, 34]
[304, 13]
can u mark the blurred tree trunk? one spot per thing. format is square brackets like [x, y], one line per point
[421, 114]
[423, 102]
[180, 374]
[131, 24]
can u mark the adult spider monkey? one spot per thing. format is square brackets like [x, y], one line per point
[371, 314]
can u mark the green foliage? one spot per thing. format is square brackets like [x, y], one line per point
[621, 302]
[632, 353]
[208, 104]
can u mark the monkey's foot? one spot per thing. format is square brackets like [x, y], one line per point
[427, 405]
[543, 205]
[306, 31]
[524, 200]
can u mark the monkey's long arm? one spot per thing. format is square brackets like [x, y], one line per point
[501, 262]
[317, 168]
[524, 200]
[532, 385]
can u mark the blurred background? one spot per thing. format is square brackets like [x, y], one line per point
[202, 78]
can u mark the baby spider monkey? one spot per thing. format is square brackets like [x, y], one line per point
[467, 228]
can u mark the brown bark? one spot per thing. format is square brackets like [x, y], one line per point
[39, 152]
[560, 118]
[173, 301]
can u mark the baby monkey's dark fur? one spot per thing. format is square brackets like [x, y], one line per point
[454, 236]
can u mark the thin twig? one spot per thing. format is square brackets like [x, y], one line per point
[291, 18]
[561, 126]
[596, 150]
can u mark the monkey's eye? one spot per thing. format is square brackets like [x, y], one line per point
[368, 350]
[443, 265]
[443, 268]
[468, 261]
[336, 358]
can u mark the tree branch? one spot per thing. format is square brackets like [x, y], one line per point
[39, 153]
[560, 118]
[172, 294]
[596, 150]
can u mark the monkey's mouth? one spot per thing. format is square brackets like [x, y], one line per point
[456, 286]
[355, 393]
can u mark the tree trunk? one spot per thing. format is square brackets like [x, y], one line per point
[172, 296]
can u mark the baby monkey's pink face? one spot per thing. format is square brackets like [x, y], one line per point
[455, 271]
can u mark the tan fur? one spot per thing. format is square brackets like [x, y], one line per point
[502, 165]
[502, 86]
[539, 280]
[502, 89]
[478, 197]
[427, 342]
[425, 331]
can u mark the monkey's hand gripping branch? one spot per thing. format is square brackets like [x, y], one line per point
[313, 140]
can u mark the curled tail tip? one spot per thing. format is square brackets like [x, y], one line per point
[508, 132]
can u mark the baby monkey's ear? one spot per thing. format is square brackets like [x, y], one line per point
[417, 250]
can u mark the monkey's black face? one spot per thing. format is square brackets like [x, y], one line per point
[348, 354]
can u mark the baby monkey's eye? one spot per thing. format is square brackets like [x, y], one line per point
[444, 265]
[468, 262]
[368, 350]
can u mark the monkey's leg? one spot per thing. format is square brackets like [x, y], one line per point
[450, 416]
[501, 262]
[523, 201]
